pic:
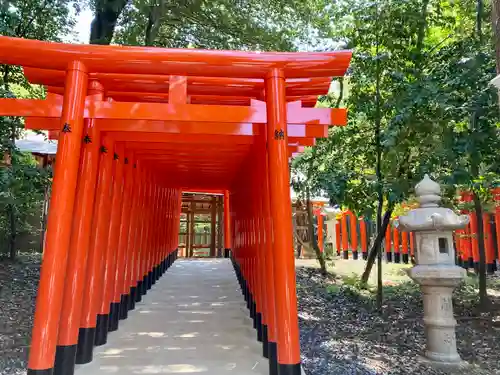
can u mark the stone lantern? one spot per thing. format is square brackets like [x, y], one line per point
[435, 269]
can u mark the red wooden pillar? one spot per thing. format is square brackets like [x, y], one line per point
[388, 244]
[404, 240]
[227, 226]
[496, 198]
[281, 212]
[93, 324]
[319, 218]
[120, 297]
[363, 237]
[345, 236]
[132, 258]
[76, 268]
[338, 241]
[53, 274]
[114, 232]
[397, 253]
[272, 337]
[354, 235]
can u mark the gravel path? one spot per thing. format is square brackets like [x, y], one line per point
[342, 333]
[18, 284]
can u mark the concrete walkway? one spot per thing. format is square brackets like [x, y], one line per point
[194, 320]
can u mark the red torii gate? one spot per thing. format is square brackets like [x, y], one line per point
[136, 127]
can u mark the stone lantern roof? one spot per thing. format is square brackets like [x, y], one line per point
[430, 216]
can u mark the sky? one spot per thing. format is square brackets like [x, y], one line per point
[83, 26]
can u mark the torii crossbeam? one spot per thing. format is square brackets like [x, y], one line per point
[138, 126]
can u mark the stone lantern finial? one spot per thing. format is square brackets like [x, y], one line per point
[428, 192]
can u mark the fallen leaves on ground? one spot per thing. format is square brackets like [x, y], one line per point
[342, 333]
[18, 286]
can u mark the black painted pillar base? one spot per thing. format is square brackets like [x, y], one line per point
[388, 257]
[287, 369]
[253, 313]
[49, 371]
[227, 253]
[273, 358]
[65, 360]
[150, 280]
[144, 289]
[250, 305]
[138, 292]
[85, 346]
[154, 275]
[355, 255]
[258, 322]
[346, 254]
[265, 341]
[490, 268]
[471, 263]
[124, 306]
[244, 289]
[114, 316]
[405, 258]
[131, 300]
[365, 256]
[101, 330]
[397, 257]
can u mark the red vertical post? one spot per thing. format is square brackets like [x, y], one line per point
[354, 235]
[397, 253]
[345, 236]
[496, 199]
[404, 240]
[268, 241]
[363, 235]
[132, 251]
[114, 232]
[93, 324]
[141, 232]
[227, 226]
[76, 268]
[53, 274]
[121, 292]
[388, 244]
[338, 241]
[281, 213]
[320, 230]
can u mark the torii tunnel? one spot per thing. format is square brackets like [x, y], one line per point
[138, 126]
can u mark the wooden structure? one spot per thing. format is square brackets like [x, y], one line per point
[138, 126]
[201, 225]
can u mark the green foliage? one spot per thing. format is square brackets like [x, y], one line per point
[22, 183]
[436, 110]
[220, 24]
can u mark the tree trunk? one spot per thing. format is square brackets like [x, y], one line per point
[377, 245]
[319, 255]
[104, 23]
[495, 21]
[155, 15]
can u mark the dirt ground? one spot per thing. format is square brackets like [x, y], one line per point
[343, 333]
